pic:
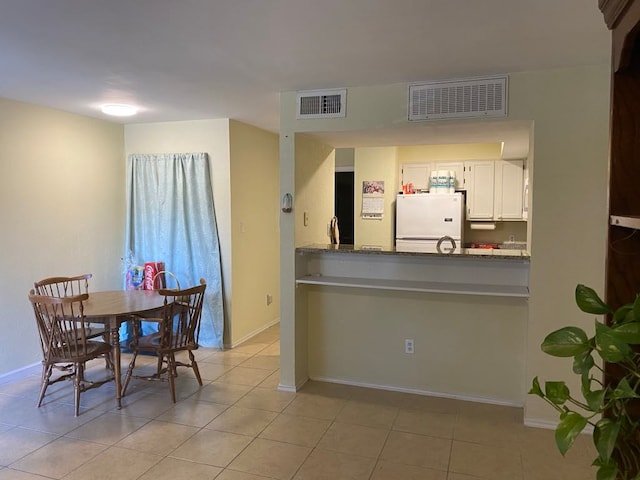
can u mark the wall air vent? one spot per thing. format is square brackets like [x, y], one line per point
[321, 103]
[477, 97]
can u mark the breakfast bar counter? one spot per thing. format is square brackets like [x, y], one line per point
[496, 272]
[385, 250]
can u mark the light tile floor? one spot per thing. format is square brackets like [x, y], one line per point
[238, 426]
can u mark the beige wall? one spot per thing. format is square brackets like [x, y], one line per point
[570, 109]
[308, 174]
[568, 182]
[356, 336]
[63, 203]
[345, 157]
[315, 187]
[255, 207]
[376, 163]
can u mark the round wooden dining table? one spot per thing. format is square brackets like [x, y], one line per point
[111, 308]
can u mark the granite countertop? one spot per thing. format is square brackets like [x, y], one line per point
[502, 253]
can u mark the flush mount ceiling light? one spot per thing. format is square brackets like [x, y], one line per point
[119, 109]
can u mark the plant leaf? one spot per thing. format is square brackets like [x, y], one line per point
[624, 314]
[588, 301]
[628, 332]
[566, 342]
[556, 392]
[605, 436]
[608, 471]
[595, 400]
[610, 346]
[624, 390]
[535, 388]
[583, 362]
[570, 426]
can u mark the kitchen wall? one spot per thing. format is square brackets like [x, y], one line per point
[62, 193]
[569, 111]
[315, 190]
[344, 157]
[240, 157]
[502, 233]
[376, 163]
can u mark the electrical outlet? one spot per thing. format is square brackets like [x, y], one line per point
[409, 346]
[512, 238]
[269, 299]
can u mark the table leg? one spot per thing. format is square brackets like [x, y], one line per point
[115, 344]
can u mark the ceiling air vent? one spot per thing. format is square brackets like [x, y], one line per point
[322, 103]
[478, 97]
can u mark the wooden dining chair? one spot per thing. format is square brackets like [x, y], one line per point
[178, 331]
[63, 333]
[68, 287]
[63, 286]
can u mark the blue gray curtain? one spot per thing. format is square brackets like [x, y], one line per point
[171, 219]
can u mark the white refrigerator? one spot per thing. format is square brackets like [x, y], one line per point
[430, 222]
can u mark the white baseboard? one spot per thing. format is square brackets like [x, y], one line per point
[428, 393]
[287, 388]
[21, 373]
[292, 389]
[249, 336]
[537, 423]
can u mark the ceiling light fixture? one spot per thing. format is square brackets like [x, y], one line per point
[119, 110]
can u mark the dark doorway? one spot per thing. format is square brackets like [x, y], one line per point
[344, 206]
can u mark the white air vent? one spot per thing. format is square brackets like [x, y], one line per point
[479, 97]
[322, 103]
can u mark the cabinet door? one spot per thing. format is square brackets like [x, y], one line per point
[509, 189]
[416, 173]
[457, 167]
[479, 179]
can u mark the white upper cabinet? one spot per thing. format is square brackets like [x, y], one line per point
[509, 187]
[416, 173]
[479, 179]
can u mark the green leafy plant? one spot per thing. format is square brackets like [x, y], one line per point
[605, 406]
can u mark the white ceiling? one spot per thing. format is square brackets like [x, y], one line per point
[196, 59]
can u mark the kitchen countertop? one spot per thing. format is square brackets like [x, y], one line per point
[499, 253]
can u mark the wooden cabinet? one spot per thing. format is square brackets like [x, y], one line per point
[509, 190]
[623, 264]
[479, 178]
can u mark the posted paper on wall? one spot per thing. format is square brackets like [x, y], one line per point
[372, 199]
